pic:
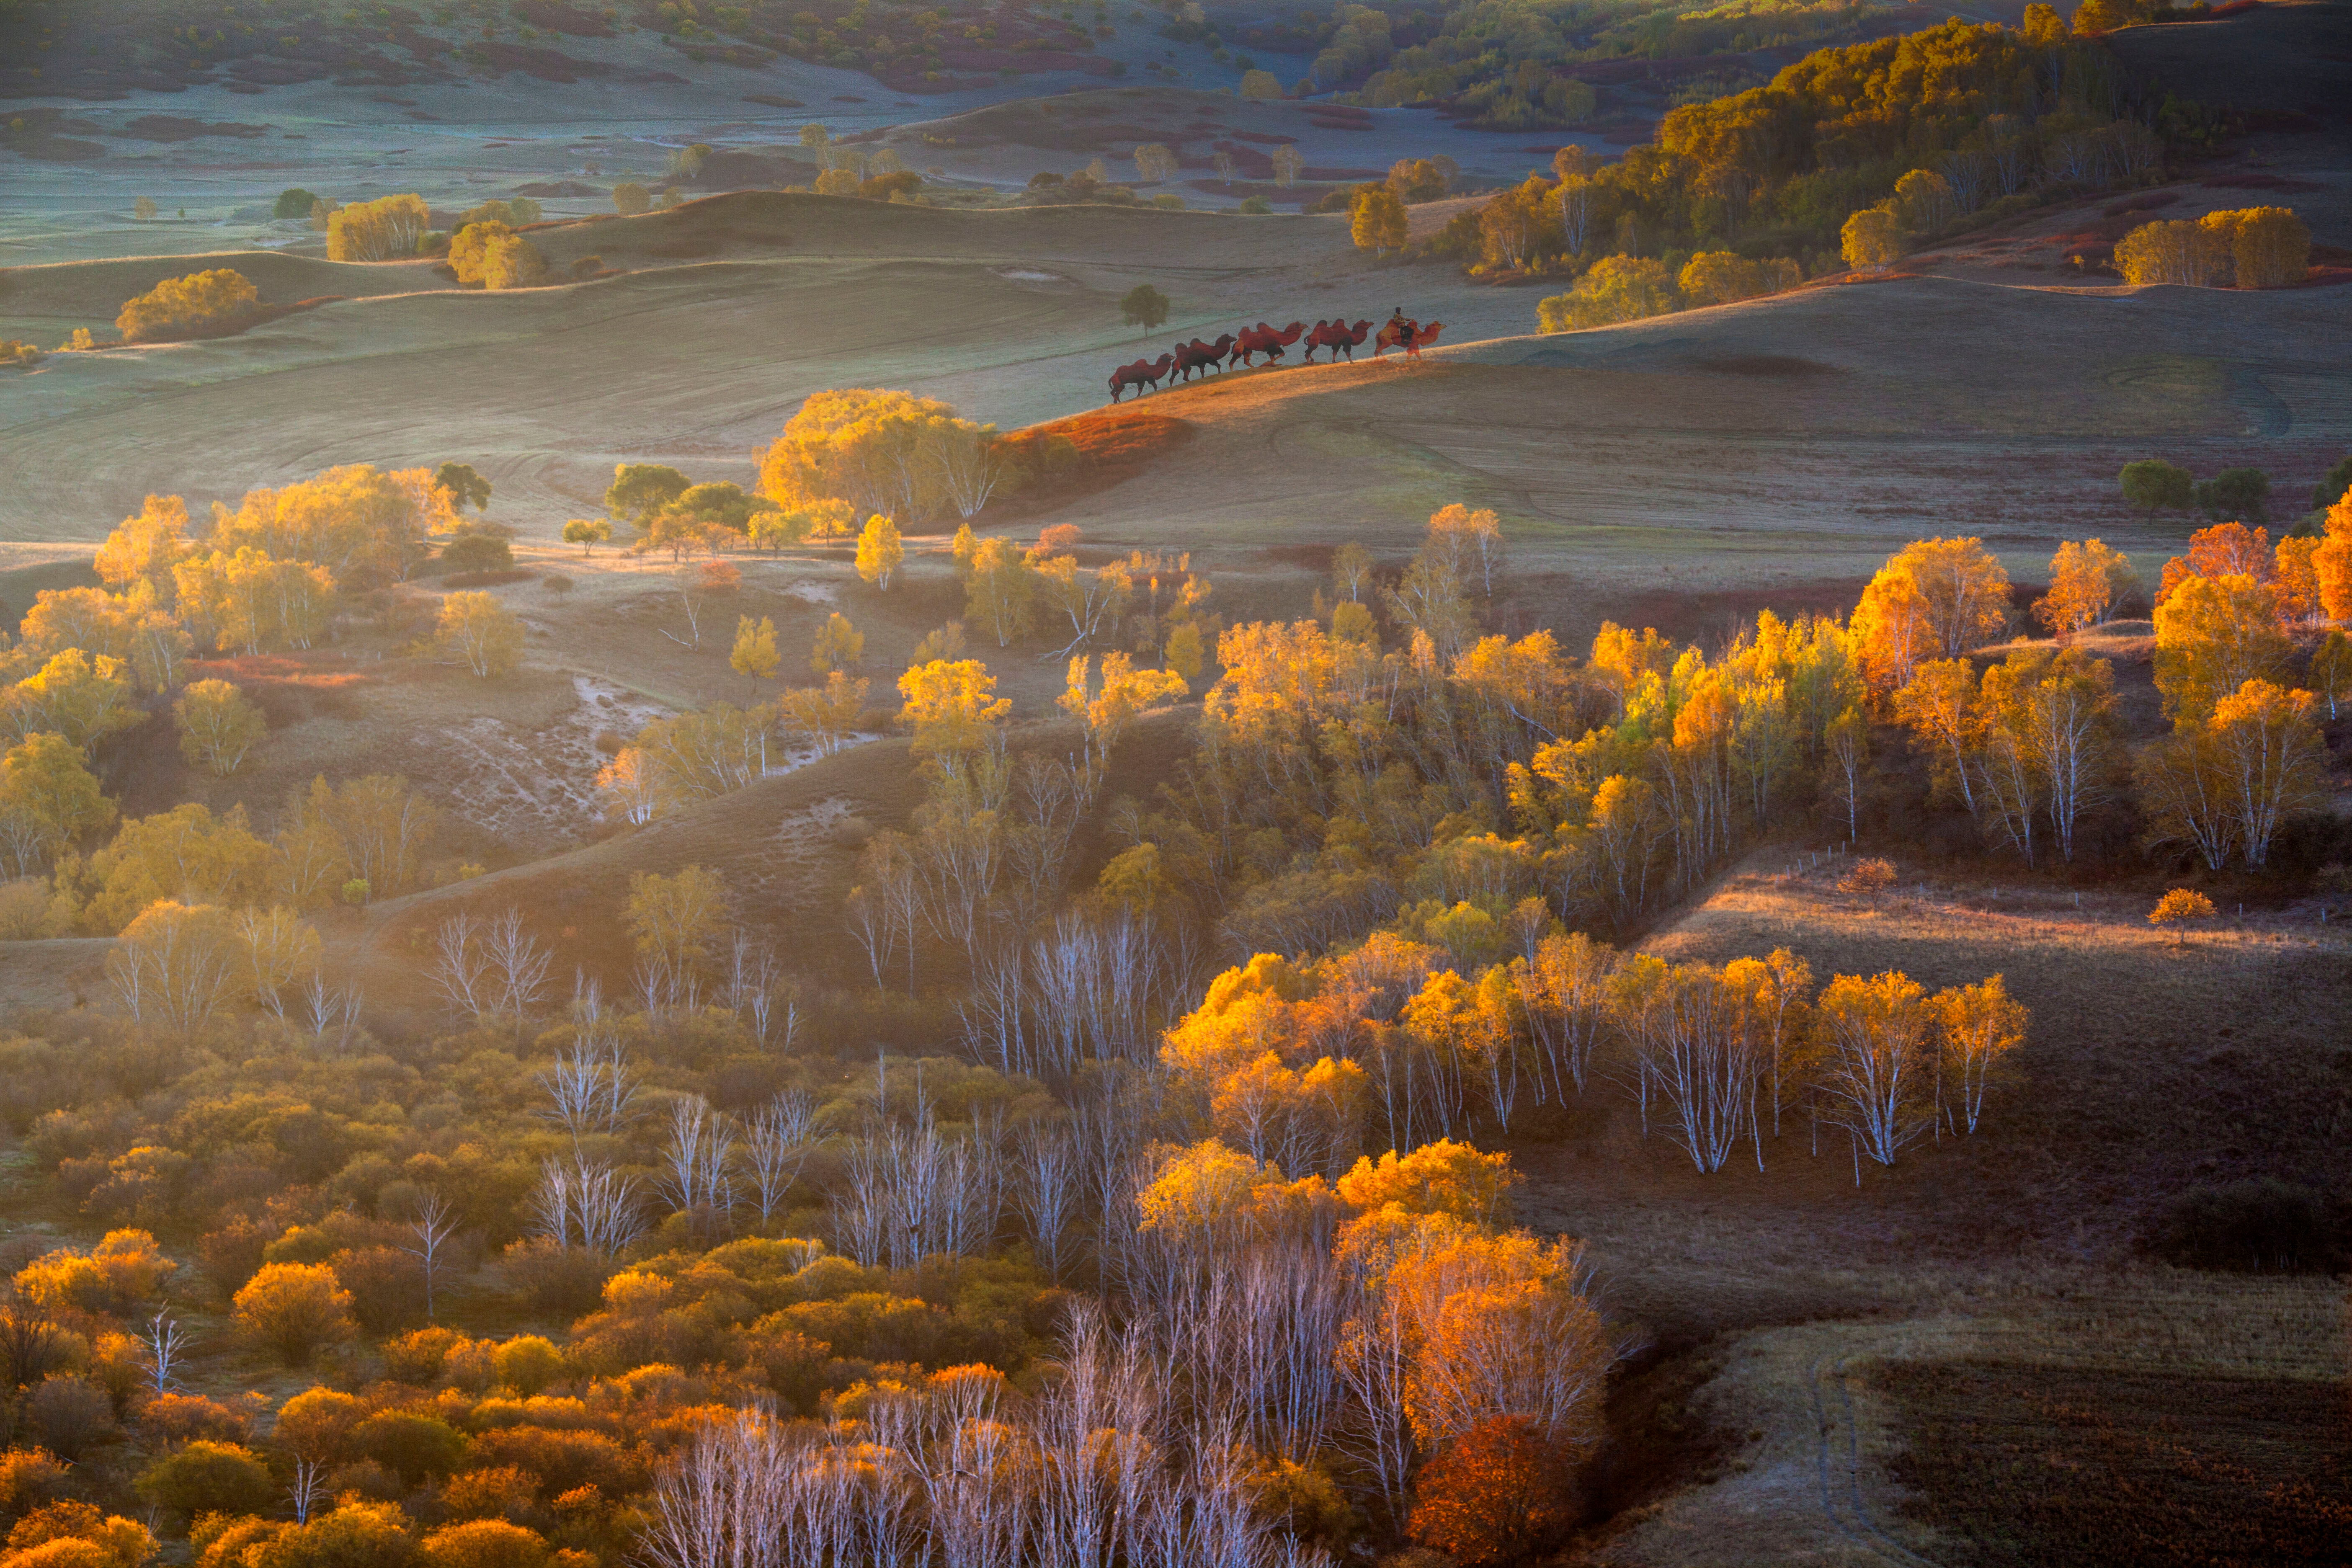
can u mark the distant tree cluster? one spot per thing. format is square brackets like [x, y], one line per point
[1856, 152]
[2251, 248]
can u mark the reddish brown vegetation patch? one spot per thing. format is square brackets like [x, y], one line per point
[1086, 455]
[290, 688]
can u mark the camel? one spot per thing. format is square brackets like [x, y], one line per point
[1198, 355]
[1338, 336]
[1264, 339]
[1413, 339]
[1143, 375]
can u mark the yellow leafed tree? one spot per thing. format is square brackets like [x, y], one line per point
[479, 633]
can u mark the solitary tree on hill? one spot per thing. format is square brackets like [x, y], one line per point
[1143, 306]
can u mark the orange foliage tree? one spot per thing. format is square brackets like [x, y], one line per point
[1498, 1494]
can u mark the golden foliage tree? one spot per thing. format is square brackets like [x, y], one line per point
[2268, 247]
[185, 854]
[2179, 909]
[1376, 222]
[1934, 598]
[479, 633]
[359, 524]
[389, 228]
[1872, 237]
[48, 799]
[2086, 581]
[129, 627]
[1444, 1177]
[198, 302]
[893, 453]
[879, 551]
[839, 645]
[491, 255]
[951, 706]
[143, 549]
[1724, 277]
[1498, 1494]
[2332, 564]
[1617, 289]
[675, 920]
[1981, 1025]
[754, 655]
[825, 716]
[2212, 635]
[84, 699]
[2189, 253]
[176, 966]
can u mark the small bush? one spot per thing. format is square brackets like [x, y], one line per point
[554, 1278]
[73, 1415]
[2257, 1227]
[209, 1477]
[478, 552]
[1868, 879]
[294, 1308]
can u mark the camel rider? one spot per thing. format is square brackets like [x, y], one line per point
[1399, 328]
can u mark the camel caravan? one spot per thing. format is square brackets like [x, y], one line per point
[1245, 346]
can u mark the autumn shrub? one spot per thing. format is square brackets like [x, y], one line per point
[1868, 879]
[478, 552]
[232, 1254]
[1499, 1493]
[386, 1286]
[417, 1358]
[357, 1533]
[73, 1415]
[501, 1491]
[412, 1445]
[206, 1477]
[528, 1363]
[2262, 1225]
[294, 1308]
[554, 1278]
[32, 1345]
[561, 1460]
[492, 256]
[28, 1478]
[485, 1543]
[182, 1418]
[74, 1534]
[201, 302]
[222, 1540]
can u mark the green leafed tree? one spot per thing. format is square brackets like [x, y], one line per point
[1143, 306]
